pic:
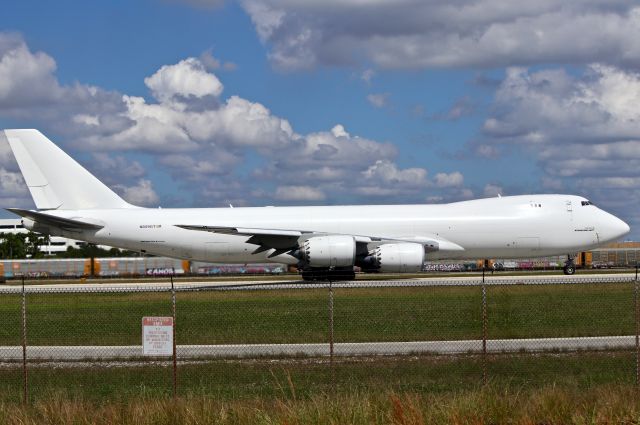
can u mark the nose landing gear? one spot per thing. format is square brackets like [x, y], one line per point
[569, 266]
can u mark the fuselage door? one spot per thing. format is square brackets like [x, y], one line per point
[569, 207]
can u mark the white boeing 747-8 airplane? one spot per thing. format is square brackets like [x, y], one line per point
[324, 242]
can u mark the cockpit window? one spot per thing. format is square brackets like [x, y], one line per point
[586, 203]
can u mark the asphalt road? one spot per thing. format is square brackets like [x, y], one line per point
[80, 353]
[235, 284]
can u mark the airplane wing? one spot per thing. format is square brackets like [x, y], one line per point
[51, 220]
[285, 240]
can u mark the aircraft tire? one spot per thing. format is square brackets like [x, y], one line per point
[326, 275]
[569, 269]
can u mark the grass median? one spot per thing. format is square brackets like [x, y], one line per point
[309, 377]
[301, 315]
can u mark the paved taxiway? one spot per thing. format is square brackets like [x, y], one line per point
[79, 353]
[231, 284]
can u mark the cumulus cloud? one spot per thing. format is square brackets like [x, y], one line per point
[25, 77]
[367, 75]
[491, 190]
[384, 178]
[184, 79]
[13, 189]
[461, 108]
[11, 183]
[203, 141]
[551, 105]
[584, 130]
[557, 113]
[455, 179]
[29, 87]
[113, 169]
[213, 64]
[141, 194]
[388, 172]
[425, 34]
[299, 193]
[379, 100]
[204, 4]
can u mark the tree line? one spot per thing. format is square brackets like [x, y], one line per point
[27, 245]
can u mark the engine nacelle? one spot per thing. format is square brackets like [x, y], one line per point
[28, 223]
[36, 227]
[399, 257]
[329, 251]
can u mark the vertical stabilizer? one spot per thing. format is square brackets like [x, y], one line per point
[55, 180]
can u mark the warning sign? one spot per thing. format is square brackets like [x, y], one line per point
[157, 336]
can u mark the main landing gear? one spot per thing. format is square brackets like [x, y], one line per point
[322, 274]
[569, 266]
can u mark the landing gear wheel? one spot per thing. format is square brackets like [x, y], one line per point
[324, 275]
[569, 266]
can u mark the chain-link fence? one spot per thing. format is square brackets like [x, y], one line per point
[297, 338]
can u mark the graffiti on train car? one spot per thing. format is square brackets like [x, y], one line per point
[240, 269]
[163, 271]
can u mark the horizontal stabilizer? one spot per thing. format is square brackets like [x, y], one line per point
[51, 220]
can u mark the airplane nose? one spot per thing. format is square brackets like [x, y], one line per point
[615, 228]
[624, 228]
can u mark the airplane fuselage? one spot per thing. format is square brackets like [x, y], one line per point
[506, 227]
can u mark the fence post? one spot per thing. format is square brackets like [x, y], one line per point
[175, 360]
[484, 328]
[331, 366]
[637, 316]
[25, 392]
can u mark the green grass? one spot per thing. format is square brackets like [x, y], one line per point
[301, 315]
[610, 404]
[309, 377]
[532, 388]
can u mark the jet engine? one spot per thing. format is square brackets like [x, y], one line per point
[329, 251]
[399, 257]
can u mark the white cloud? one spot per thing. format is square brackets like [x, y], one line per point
[487, 151]
[379, 100]
[455, 179]
[13, 189]
[202, 140]
[584, 130]
[213, 64]
[299, 193]
[387, 172]
[367, 75]
[25, 77]
[12, 183]
[204, 4]
[560, 113]
[113, 169]
[491, 190]
[612, 182]
[184, 79]
[550, 106]
[425, 34]
[86, 119]
[461, 108]
[142, 194]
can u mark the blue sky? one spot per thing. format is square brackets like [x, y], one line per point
[276, 102]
